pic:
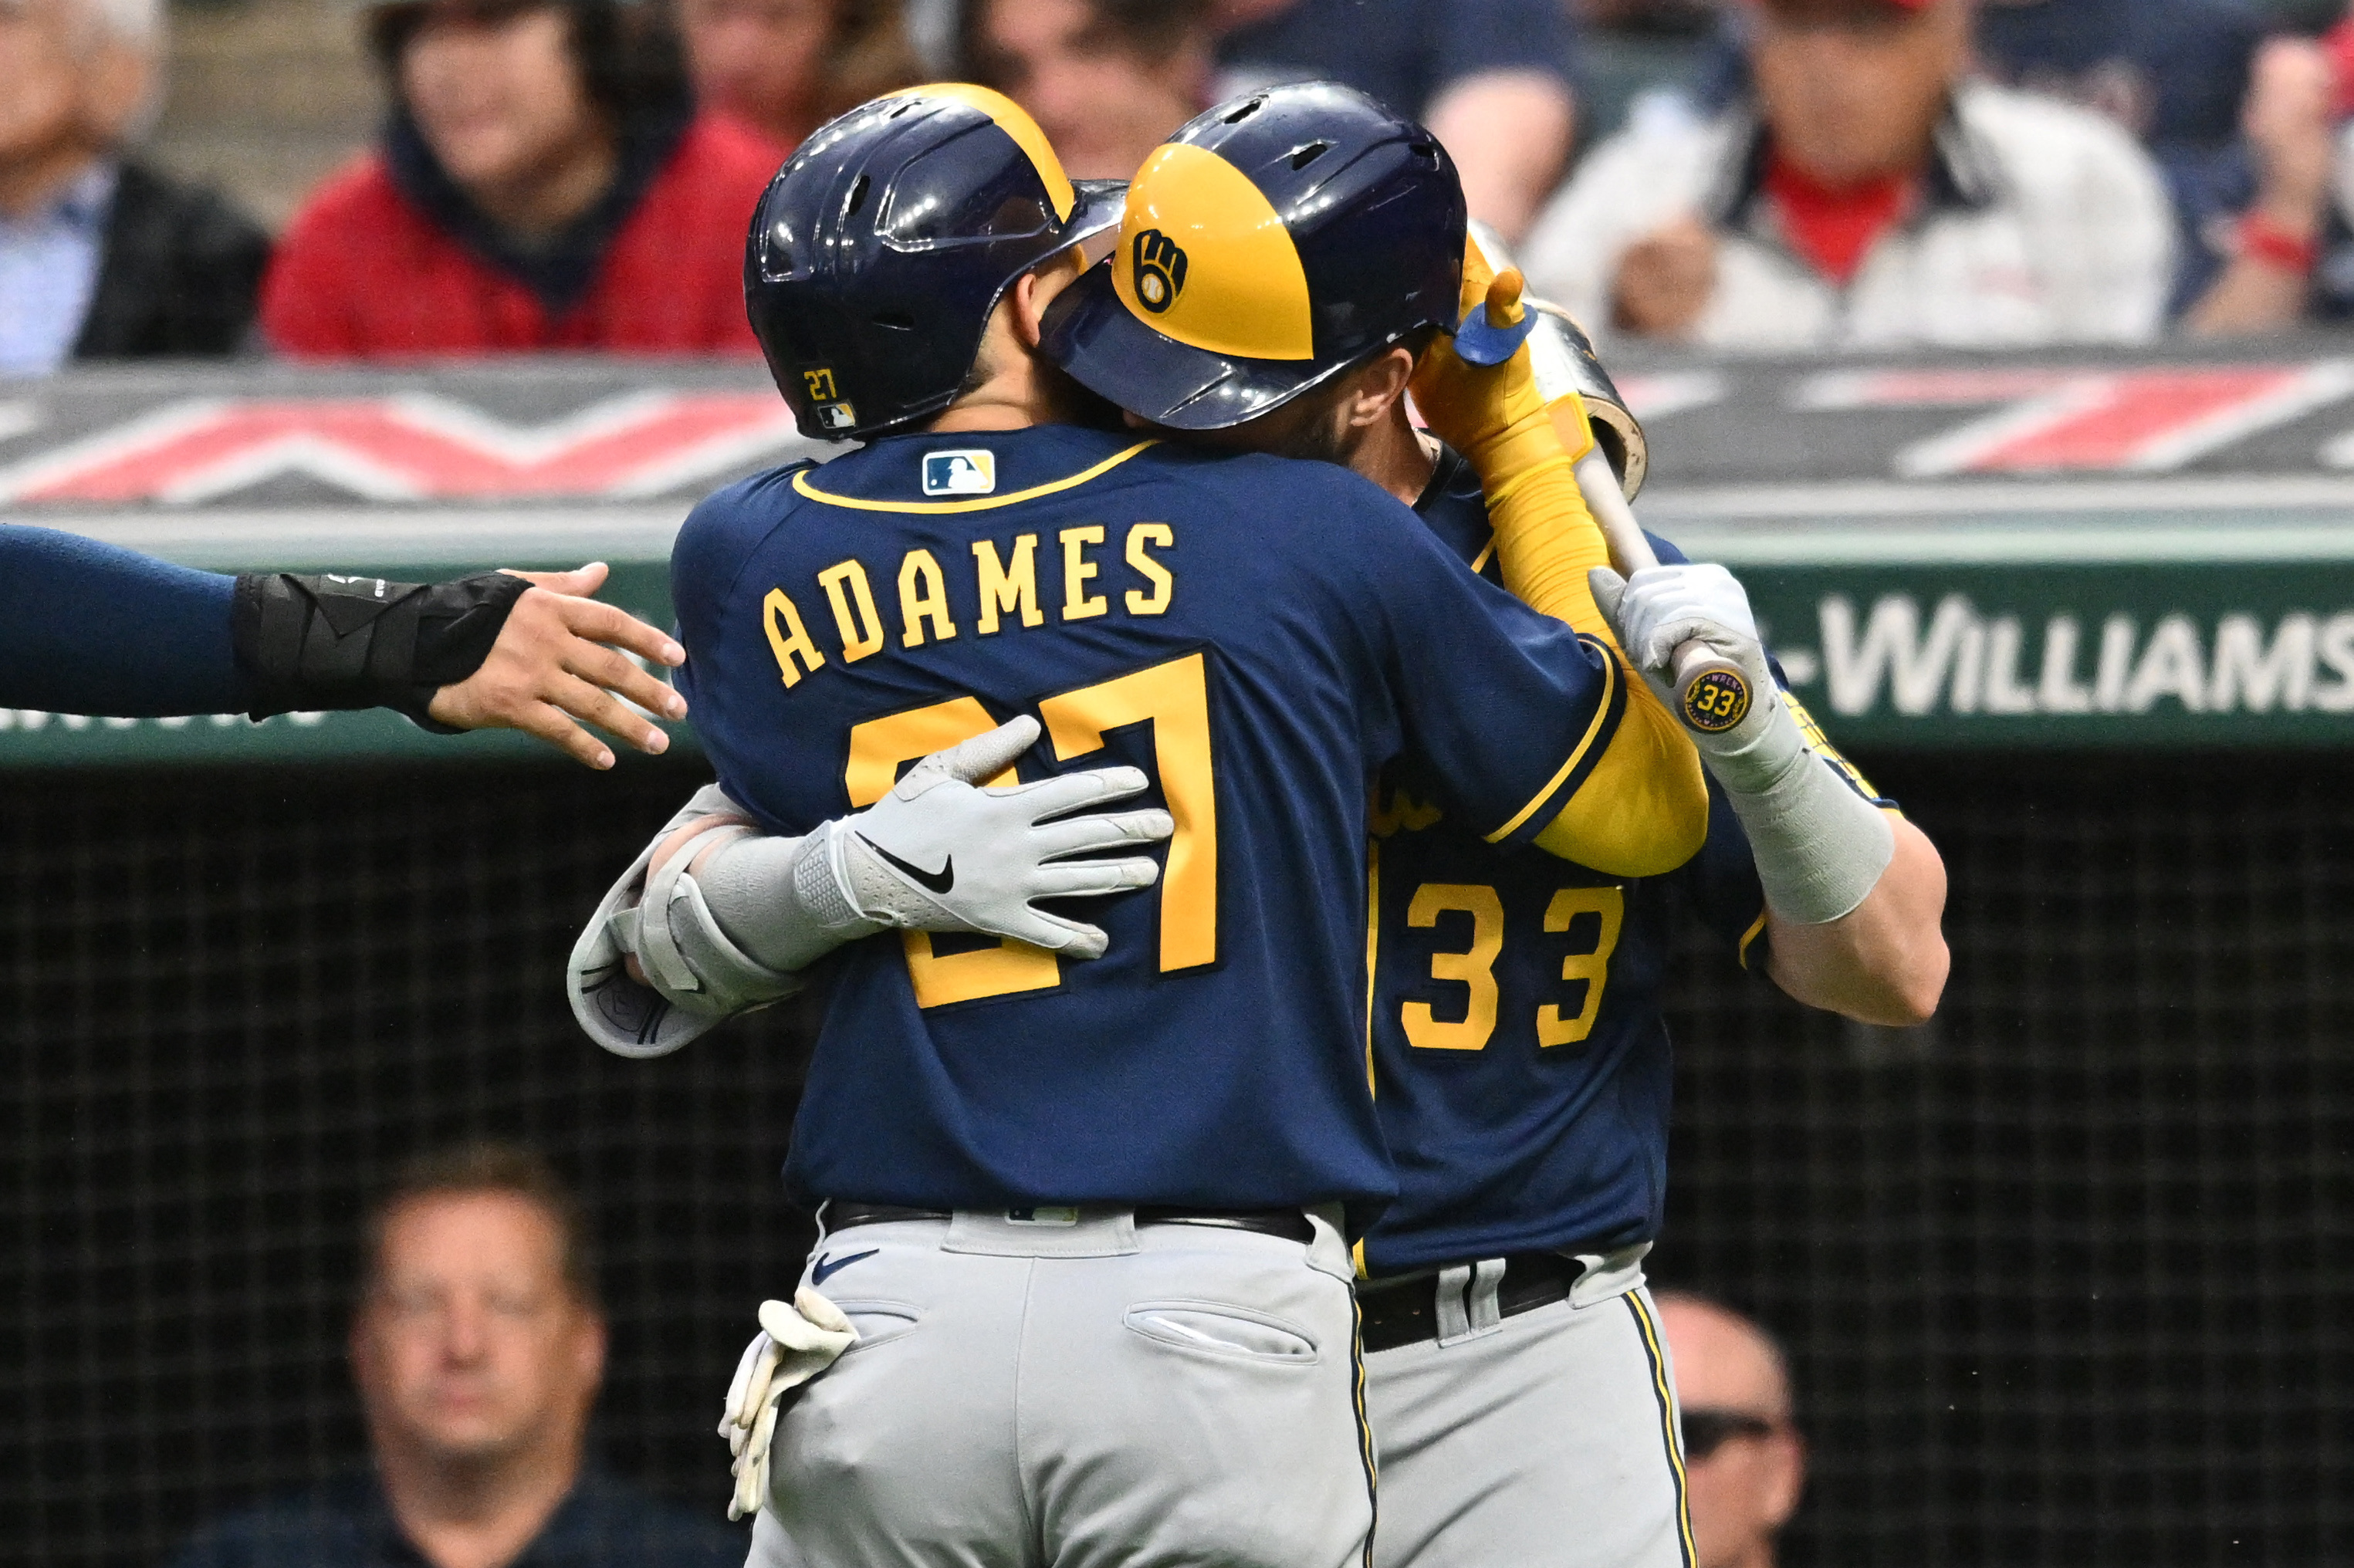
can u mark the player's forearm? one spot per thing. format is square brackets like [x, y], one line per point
[1644, 808]
[1885, 960]
[786, 914]
[1547, 543]
[88, 628]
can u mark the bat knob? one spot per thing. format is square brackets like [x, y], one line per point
[1713, 692]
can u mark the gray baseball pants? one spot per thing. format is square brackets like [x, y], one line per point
[1085, 1393]
[1547, 1439]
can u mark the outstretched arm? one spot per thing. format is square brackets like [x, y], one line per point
[90, 627]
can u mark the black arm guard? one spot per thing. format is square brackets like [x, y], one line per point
[330, 641]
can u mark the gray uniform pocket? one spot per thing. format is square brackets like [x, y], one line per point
[879, 1322]
[1213, 1327]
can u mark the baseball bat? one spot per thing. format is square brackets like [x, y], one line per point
[1713, 692]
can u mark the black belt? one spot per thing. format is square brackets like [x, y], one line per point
[1407, 1314]
[1289, 1224]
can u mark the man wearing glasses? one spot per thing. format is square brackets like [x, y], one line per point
[1745, 1463]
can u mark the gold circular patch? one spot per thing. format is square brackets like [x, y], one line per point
[1716, 702]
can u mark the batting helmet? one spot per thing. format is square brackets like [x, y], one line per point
[1272, 243]
[880, 248]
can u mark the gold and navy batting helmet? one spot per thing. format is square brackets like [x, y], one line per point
[1270, 244]
[880, 248]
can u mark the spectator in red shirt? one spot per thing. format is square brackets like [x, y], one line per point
[542, 184]
[782, 68]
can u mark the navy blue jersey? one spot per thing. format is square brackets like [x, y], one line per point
[1260, 637]
[1520, 1063]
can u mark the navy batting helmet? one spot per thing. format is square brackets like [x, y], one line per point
[880, 248]
[1272, 243]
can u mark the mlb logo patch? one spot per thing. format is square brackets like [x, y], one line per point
[837, 416]
[972, 472]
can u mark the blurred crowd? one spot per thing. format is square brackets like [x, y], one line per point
[1798, 174]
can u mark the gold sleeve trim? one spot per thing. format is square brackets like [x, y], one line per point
[1756, 929]
[1585, 744]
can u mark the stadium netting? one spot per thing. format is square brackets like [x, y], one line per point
[2066, 1275]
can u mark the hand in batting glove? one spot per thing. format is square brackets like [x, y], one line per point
[1660, 609]
[944, 853]
[795, 1342]
[1496, 415]
[1819, 846]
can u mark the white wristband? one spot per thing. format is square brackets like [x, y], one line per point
[1819, 846]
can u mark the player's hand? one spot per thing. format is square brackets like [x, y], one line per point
[1495, 415]
[1660, 609]
[560, 658]
[946, 851]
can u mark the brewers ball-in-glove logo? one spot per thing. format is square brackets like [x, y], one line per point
[1160, 271]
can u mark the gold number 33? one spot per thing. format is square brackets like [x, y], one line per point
[1474, 968]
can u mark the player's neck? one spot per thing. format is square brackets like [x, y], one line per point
[1393, 454]
[1014, 399]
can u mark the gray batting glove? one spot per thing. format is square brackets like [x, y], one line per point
[943, 851]
[1660, 609]
[1819, 846]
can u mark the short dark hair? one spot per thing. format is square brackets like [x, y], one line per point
[486, 1167]
[628, 54]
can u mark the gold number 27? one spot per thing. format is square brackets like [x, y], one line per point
[1174, 699]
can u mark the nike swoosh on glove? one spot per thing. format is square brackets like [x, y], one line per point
[944, 852]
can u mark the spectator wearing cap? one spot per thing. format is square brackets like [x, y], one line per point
[477, 1346]
[782, 68]
[1872, 194]
[542, 184]
[1744, 1461]
[101, 256]
[1490, 77]
[1107, 80]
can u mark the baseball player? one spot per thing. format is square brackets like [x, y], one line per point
[1516, 1039]
[1518, 1385]
[1054, 1179]
[88, 628]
